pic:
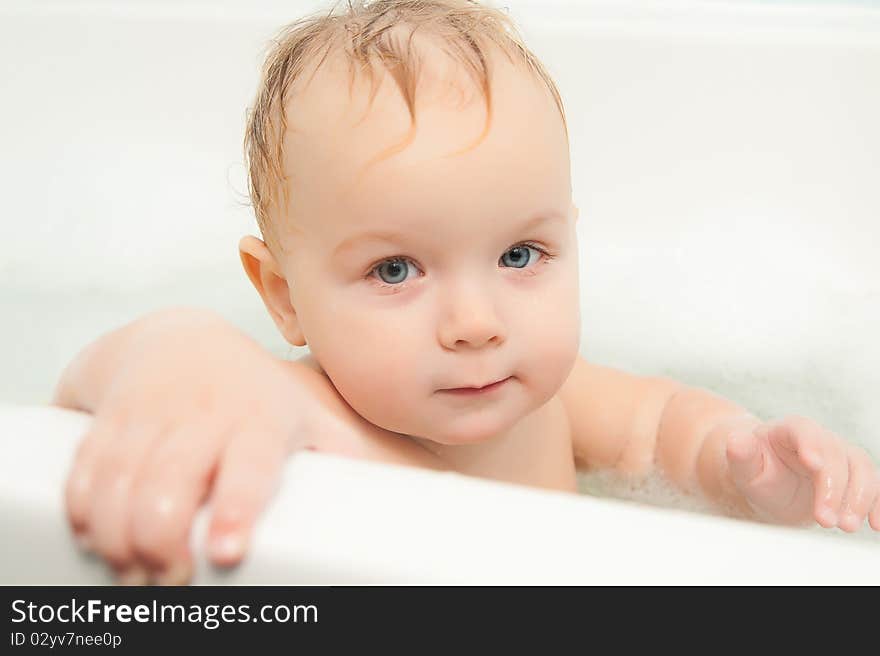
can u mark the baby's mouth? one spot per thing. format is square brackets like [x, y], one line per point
[478, 390]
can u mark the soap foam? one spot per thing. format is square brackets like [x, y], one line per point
[658, 491]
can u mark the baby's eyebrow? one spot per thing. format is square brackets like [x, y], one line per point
[372, 235]
[535, 220]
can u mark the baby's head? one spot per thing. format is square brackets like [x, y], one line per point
[409, 169]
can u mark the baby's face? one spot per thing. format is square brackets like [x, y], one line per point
[432, 270]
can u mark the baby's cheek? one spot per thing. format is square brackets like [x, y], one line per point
[550, 344]
[551, 362]
[376, 380]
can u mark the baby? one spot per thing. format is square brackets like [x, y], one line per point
[409, 169]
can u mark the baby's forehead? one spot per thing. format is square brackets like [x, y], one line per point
[338, 124]
[340, 119]
[336, 90]
[339, 151]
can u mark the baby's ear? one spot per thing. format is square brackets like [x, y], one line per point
[269, 281]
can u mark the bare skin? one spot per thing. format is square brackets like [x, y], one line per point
[483, 244]
[547, 462]
[478, 283]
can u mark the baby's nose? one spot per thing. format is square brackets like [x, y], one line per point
[471, 319]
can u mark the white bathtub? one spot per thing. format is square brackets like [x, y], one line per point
[341, 521]
[725, 159]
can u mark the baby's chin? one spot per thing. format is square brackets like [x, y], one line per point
[451, 423]
[469, 428]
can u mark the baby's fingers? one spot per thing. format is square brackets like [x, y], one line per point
[798, 442]
[830, 483]
[78, 488]
[861, 491]
[809, 449]
[247, 477]
[171, 486]
[771, 488]
[874, 516]
[111, 494]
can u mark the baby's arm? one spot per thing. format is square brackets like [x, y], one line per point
[175, 394]
[186, 407]
[788, 471]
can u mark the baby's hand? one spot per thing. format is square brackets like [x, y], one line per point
[793, 471]
[183, 420]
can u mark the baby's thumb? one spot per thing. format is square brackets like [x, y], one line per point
[745, 457]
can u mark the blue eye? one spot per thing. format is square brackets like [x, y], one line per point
[519, 256]
[396, 271]
[392, 274]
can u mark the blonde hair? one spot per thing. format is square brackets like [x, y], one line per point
[361, 32]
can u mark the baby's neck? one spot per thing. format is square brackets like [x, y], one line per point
[500, 457]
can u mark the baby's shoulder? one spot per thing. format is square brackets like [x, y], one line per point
[310, 362]
[362, 438]
[315, 379]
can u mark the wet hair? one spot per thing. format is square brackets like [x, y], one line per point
[364, 31]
